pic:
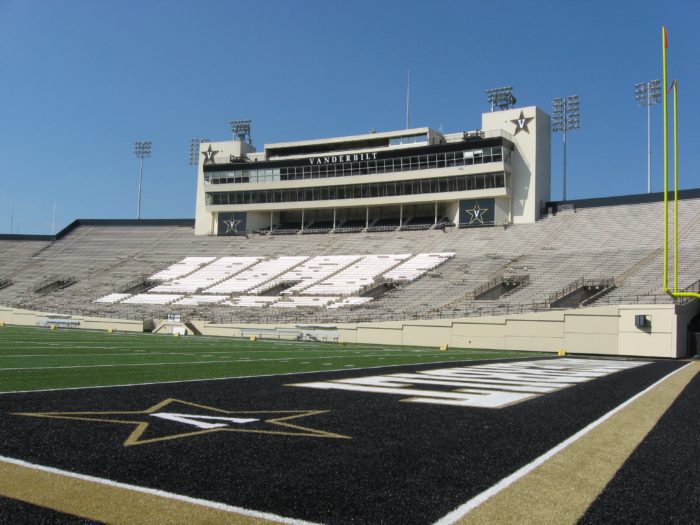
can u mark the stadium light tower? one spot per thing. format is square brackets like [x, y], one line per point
[194, 150]
[142, 149]
[565, 117]
[501, 98]
[647, 94]
[241, 130]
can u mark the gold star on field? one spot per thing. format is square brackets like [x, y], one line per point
[156, 424]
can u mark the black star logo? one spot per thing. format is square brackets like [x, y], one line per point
[476, 214]
[232, 225]
[521, 123]
[209, 155]
[175, 419]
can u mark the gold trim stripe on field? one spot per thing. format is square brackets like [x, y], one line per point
[105, 503]
[563, 488]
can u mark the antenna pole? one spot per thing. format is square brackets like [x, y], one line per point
[408, 97]
[648, 141]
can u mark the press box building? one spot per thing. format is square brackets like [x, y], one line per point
[498, 174]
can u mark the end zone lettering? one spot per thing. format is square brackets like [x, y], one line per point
[485, 386]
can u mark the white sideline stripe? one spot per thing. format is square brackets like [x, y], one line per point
[251, 377]
[110, 366]
[155, 492]
[127, 354]
[117, 365]
[477, 500]
[211, 353]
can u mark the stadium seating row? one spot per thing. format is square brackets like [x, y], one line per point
[208, 276]
[184, 267]
[249, 301]
[597, 242]
[331, 277]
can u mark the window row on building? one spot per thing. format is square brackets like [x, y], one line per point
[361, 191]
[411, 139]
[368, 167]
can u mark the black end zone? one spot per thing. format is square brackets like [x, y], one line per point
[403, 462]
[659, 483]
[20, 513]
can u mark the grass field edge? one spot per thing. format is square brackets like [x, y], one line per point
[125, 385]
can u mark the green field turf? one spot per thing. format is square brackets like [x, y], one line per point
[38, 358]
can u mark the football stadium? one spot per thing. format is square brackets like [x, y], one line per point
[392, 327]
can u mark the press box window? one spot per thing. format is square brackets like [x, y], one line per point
[415, 139]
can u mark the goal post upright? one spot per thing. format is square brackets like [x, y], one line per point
[674, 87]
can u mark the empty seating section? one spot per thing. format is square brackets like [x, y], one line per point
[419, 223]
[349, 301]
[194, 300]
[187, 265]
[300, 300]
[351, 226]
[312, 271]
[336, 275]
[148, 298]
[357, 276]
[112, 298]
[285, 229]
[209, 275]
[260, 282]
[252, 301]
[383, 225]
[256, 275]
[318, 227]
[416, 266]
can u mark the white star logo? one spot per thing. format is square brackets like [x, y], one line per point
[209, 155]
[476, 214]
[232, 225]
[521, 123]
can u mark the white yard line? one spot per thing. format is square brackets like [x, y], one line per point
[229, 378]
[239, 360]
[155, 492]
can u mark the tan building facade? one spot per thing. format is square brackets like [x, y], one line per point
[498, 174]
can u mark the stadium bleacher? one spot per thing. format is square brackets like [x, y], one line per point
[590, 243]
[356, 276]
[209, 275]
[179, 269]
[256, 275]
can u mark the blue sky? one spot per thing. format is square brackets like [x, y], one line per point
[82, 80]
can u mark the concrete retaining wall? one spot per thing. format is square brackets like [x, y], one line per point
[604, 330]
[15, 316]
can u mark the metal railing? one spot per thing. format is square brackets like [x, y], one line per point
[519, 279]
[63, 280]
[487, 134]
[579, 283]
[693, 288]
